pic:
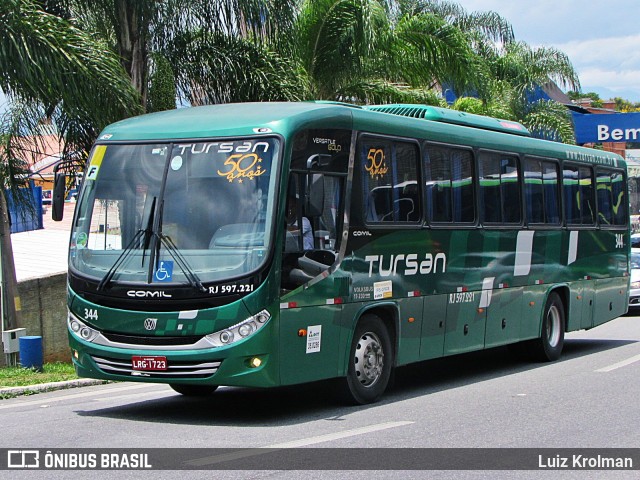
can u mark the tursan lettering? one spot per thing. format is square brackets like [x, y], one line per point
[228, 147]
[606, 134]
[411, 264]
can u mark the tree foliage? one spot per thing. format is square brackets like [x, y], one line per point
[162, 86]
[626, 106]
[61, 74]
[86, 63]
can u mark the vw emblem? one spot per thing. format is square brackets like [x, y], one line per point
[150, 323]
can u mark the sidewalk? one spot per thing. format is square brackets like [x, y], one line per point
[10, 392]
[43, 252]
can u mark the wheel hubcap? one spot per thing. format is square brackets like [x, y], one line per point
[553, 326]
[369, 359]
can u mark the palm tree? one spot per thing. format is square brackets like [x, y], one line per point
[50, 70]
[507, 71]
[372, 51]
[69, 75]
[217, 68]
[516, 71]
[216, 49]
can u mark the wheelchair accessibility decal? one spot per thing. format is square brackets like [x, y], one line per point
[164, 272]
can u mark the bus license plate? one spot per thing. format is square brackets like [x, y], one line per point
[149, 363]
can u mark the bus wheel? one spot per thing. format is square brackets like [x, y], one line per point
[194, 390]
[370, 361]
[549, 346]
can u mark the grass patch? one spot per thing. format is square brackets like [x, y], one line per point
[22, 377]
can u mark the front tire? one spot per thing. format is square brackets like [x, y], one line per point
[370, 361]
[194, 390]
[548, 347]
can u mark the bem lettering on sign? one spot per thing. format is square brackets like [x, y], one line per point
[606, 134]
[615, 127]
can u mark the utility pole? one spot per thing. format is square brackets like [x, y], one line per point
[10, 298]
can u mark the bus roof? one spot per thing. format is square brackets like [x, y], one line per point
[285, 118]
[455, 117]
[233, 119]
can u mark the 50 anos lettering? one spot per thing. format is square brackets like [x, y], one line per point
[243, 166]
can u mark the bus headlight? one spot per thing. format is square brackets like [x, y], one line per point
[239, 331]
[246, 329]
[81, 330]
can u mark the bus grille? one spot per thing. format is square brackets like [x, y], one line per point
[119, 366]
[149, 340]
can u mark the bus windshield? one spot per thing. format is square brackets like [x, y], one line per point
[188, 212]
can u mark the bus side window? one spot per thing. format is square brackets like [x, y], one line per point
[578, 195]
[449, 185]
[320, 208]
[604, 193]
[541, 191]
[315, 199]
[611, 197]
[328, 207]
[390, 181]
[499, 188]
[620, 202]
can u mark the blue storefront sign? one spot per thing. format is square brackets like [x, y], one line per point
[615, 127]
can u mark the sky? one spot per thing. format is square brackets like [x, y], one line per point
[601, 38]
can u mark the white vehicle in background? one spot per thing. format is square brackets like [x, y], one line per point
[634, 291]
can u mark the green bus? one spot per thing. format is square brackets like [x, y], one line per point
[268, 244]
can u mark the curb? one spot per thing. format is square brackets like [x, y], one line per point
[9, 392]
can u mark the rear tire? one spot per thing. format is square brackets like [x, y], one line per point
[194, 390]
[548, 347]
[370, 362]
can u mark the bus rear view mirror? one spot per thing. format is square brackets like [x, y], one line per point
[57, 202]
[318, 160]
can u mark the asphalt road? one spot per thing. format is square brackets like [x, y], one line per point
[588, 399]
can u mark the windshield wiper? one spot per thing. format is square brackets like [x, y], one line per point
[162, 239]
[147, 232]
[189, 274]
[120, 260]
[143, 239]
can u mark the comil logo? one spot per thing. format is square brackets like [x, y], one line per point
[23, 459]
[148, 294]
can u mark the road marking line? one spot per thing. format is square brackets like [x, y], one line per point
[338, 435]
[136, 395]
[74, 395]
[294, 444]
[621, 364]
